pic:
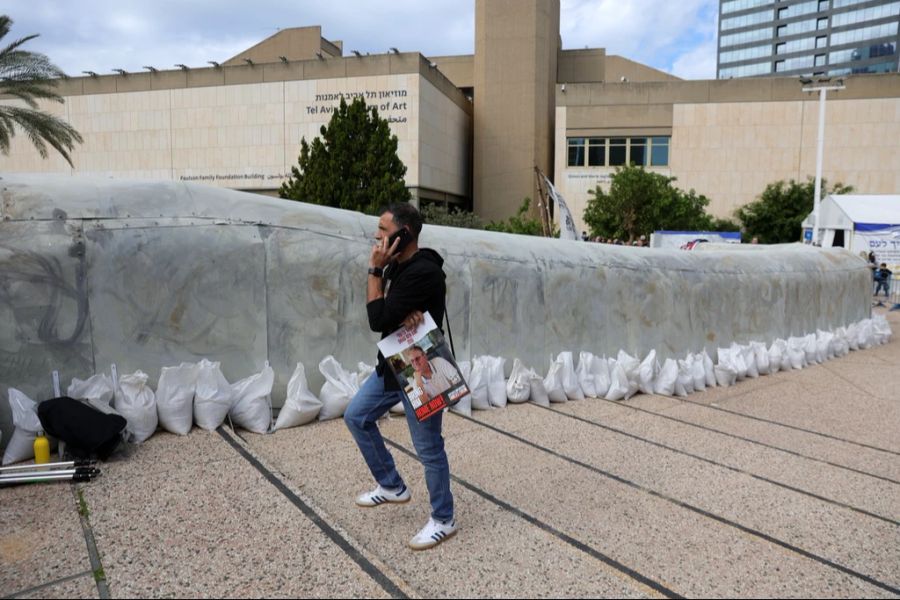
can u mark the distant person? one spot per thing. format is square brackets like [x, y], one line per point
[755, 240]
[584, 236]
[883, 279]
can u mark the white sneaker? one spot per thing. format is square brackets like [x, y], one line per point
[433, 534]
[380, 495]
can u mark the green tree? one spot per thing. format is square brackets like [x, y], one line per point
[520, 223]
[352, 165]
[437, 214]
[776, 217]
[639, 202]
[30, 76]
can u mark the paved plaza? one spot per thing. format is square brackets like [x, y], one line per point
[783, 486]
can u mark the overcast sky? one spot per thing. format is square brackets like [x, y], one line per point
[100, 35]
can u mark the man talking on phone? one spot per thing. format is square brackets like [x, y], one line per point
[404, 281]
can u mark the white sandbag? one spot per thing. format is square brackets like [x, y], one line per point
[538, 392]
[252, 405]
[866, 334]
[761, 357]
[136, 402]
[853, 336]
[97, 390]
[478, 384]
[27, 425]
[647, 371]
[618, 385]
[796, 352]
[882, 329]
[301, 406]
[496, 366]
[737, 360]
[569, 379]
[632, 368]
[213, 397]
[725, 370]
[778, 357]
[698, 372]
[553, 382]
[365, 371]
[726, 360]
[175, 398]
[464, 406]
[839, 344]
[750, 360]
[709, 369]
[810, 349]
[339, 388]
[684, 385]
[518, 388]
[602, 377]
[824, 351]
[585, 374]
[666, 379]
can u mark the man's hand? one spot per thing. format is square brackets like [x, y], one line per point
[413, 320]
[382, 254]
[424, 398]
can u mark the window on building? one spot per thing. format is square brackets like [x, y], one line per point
[822, 23]
[821, 41]
[618, 152]
[823, 5]
[783, 13]
[659, 151]
[820, 60]
[780, 48]
[781, 31]
[779, 67]
[638, 153]
[576, 152]
[596, 152]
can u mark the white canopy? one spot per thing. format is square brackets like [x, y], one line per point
[848, 210]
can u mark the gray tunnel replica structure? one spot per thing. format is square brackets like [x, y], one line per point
[149, 274]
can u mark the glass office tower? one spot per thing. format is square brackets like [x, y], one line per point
[807, 37]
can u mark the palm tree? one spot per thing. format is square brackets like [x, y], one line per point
[31, 76]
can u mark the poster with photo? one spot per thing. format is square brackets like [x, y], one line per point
[425, 368]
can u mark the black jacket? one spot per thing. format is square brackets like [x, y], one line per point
[417, 284]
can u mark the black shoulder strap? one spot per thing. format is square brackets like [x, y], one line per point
[449, 333]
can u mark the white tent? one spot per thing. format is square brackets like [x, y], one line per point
[861, 224]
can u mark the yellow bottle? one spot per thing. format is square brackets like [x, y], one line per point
[41, 449]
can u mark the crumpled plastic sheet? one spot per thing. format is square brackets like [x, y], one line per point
[151, 274]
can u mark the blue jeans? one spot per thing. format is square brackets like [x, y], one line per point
[879, 285]
[367, 406]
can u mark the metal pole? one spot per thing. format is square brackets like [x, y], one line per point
[46, 477]
[56, 465]
[823, 92]
[820, 150]
[69, 472]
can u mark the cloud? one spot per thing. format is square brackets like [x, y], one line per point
[647, 31]
[100, 35]
[698, 63]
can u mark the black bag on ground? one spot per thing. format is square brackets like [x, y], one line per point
[87, 432]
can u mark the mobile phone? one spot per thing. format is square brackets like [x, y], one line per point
[405, 238]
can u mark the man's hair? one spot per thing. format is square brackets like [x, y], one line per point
[406, 215]
[883, 265]
[407, 354]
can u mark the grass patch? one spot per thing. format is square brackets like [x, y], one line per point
[99, 575]
[82, 505]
